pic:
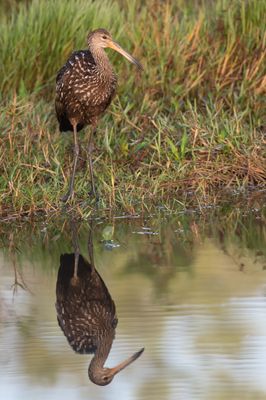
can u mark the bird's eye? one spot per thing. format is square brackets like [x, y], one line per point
[104, 37]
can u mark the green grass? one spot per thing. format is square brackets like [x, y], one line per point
[193, 122]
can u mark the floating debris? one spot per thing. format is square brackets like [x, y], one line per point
[110, 244]
[146, 231]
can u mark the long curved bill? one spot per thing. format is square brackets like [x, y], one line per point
[127, 362]
[115, 46]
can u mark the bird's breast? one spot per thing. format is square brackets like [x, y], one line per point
[93, 89]
[103, 92]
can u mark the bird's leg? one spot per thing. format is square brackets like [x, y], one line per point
[90, 246]
[70, 191]
[90, 149]
[74, 278]
[73, 226]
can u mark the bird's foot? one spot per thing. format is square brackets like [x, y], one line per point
[67, 197]
[92, 193]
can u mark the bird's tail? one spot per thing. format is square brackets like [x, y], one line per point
[65, 124]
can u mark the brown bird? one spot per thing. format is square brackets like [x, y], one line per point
[86, 314]
[85, 87]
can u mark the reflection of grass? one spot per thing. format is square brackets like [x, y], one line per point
[158, 257]
[193, 120]
[161, 257]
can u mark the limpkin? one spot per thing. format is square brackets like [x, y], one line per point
[85, 87]
[86, 314]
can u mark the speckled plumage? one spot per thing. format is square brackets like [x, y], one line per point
[85, 310]
[83, 90]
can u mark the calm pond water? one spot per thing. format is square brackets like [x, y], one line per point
[190, 289]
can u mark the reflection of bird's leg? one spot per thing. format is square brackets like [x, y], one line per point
[74, 279]
[90, 248]
[75, 274]
[69, 193]
[90, 149]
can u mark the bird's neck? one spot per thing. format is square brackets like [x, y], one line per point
[101, 354]
[102, 60]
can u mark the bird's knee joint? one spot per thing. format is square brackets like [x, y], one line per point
[76, 150]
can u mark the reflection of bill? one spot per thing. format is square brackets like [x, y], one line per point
[87, 316]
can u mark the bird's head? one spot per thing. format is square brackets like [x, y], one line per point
[103, 376]
[102, 38]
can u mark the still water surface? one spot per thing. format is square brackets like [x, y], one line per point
[191, 292]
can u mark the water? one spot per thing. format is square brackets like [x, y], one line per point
[191, 290]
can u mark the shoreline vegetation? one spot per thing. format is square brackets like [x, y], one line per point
[189, 129]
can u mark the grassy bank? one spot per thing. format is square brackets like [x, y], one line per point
[193, 122]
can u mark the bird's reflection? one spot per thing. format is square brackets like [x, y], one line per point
[86, 312]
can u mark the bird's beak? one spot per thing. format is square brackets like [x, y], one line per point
[125, 363]
[115, 46]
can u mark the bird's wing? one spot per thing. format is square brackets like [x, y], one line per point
[79, 62]
[77, 58]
